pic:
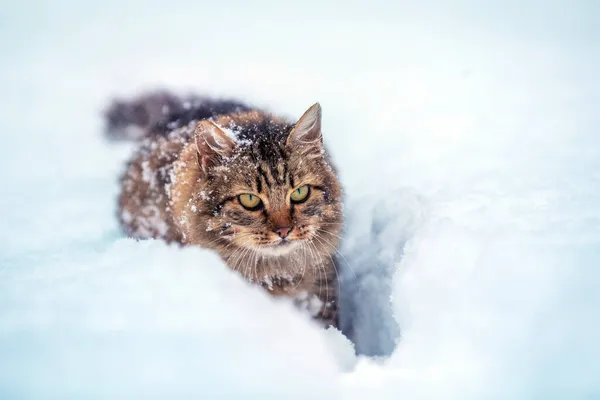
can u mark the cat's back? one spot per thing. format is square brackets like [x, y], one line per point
[145, 183]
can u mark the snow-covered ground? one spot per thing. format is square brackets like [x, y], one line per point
[467, 140]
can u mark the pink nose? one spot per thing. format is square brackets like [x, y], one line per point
[283, 231]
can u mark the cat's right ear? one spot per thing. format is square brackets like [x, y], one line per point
[212, 144]
[306, 136]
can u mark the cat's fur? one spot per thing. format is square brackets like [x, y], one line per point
[159, 112]
[182, 186]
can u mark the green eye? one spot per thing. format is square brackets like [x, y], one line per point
[250, 201]
[300, 195]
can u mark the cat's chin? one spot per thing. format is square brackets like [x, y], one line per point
[279, 249]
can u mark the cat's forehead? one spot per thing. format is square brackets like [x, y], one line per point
[254, 128]
[264, 177]
[261, 162]
[246, 119]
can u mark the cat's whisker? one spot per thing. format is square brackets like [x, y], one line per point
[322, 268]
[235, 235]
[314, 251]
[255, 264]
[302, 247]
[339, 253]
[323, 223]
[233, 264]
[249, 259]
[250, 265]
[242, 262]
[237, 262]
[331, 233]
[335, 269]
[214, 241]
[245, 260]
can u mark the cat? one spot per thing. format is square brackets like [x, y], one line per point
[256, 188]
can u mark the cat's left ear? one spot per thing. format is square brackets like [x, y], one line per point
[306, 136]
[212, 144]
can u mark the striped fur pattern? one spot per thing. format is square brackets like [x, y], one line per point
[184, 186]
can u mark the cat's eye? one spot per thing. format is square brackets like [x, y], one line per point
[300, 195]
[250, 201]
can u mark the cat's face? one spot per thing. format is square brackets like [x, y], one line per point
[272, 192]
[275, 210]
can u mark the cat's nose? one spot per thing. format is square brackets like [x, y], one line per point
[283, 231]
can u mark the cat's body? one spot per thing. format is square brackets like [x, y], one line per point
[257, 189]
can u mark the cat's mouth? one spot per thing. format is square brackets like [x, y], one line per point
[279, 248]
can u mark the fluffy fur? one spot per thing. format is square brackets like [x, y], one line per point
[183, 185]
[160, 112]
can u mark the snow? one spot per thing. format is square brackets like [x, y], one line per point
[466, 139]
[122, 322]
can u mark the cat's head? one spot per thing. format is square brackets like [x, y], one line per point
[268, 188]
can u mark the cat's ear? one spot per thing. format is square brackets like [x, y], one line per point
[212, 144]
[306, 136]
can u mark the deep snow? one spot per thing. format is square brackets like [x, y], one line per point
[466, 137]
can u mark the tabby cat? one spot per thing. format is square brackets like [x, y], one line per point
[259, 190]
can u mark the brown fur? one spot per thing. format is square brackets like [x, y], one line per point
[183, 187]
